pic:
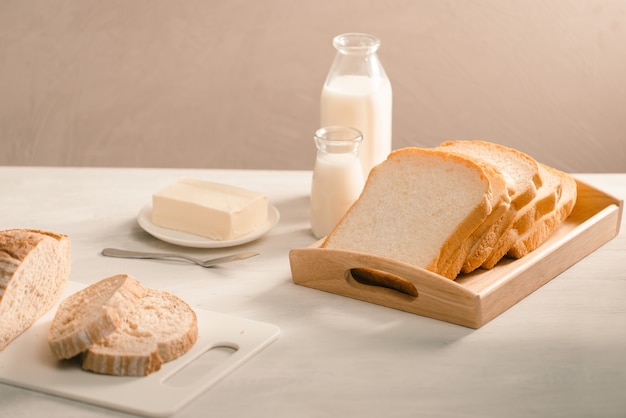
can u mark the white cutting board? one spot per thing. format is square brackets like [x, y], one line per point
[28, 362]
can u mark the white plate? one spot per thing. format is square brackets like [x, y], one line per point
[190, 240]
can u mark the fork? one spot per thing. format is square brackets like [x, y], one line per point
[115, 252]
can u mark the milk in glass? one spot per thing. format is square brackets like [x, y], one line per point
[337, 177]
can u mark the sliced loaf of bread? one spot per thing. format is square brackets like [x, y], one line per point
[34, 269]
[161, 329]
[478, 245]
[411, 207]
[536, 232]
[543, 203]
[418, 206]
[520, 170]
[523, 178]
[89, 315]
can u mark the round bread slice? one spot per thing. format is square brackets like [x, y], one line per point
[161, 329]
[34, 269]
[92, 313]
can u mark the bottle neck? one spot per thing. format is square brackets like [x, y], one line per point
[356, 55]
[356, 44]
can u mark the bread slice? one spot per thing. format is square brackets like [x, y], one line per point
[544, 202]
[92, 313]
[162, 328]
[540, 229]
[523, 177]
[418, 207]
[520, 170]
[476, 248]
[34, 269]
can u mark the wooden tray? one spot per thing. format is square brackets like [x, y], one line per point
[472, 299]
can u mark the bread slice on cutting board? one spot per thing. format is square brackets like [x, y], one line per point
[34, 270]
[161, 329]
[418, 206]
[89, 315]
[121, 328]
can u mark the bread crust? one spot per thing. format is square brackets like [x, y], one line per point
[545, 202]
[34, 270]
[475, 248]
[118, 327]
[540, 229]
[407, 172]
[161, 329]
[516, 214]
[92, 313]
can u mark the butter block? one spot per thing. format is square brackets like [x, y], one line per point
[213, 210]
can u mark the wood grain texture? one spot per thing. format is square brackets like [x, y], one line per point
[472, 299]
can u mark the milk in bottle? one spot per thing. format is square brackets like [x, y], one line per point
[357, 93]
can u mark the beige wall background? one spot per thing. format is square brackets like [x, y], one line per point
[236, 83]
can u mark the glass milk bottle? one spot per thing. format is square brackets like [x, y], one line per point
[337, 176]
[357, 93]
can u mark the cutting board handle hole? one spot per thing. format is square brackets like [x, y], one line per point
[201, 366]
[378, 278]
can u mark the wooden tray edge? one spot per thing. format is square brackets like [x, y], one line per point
[452, 301]
[338, 272]
[555, 255]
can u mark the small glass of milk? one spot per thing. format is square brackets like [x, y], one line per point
[337, 176]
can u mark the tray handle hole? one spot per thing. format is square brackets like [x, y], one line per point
[379, 278]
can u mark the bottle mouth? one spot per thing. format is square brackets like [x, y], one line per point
[338, 139]
[356, 43]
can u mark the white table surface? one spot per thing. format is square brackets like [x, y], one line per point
[560, 352]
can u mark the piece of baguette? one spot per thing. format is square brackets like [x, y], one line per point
[161, 329]
[418, 207]
[89, 315]
[34, 269]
